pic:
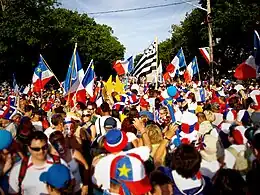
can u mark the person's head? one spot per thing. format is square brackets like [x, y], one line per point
[161, 184]
[186, 161]
[57, 103]
[17, 118]
[86, 116]
[57, 121]
[127, 126]
[57, 140]
[70, 126]
[201, 117]
[105, 108]
[38, 145]
[154, 133]
[57, 179]
[228, 181]
[110, 123]
[209, 116]
[116, 114]
[36, 115]
[163, 112]
[28, 109]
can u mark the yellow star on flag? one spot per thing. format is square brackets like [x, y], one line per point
[169, 102]
[124, 171]
[39, 70]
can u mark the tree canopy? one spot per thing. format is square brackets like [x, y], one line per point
[33, 27]
[234, 23]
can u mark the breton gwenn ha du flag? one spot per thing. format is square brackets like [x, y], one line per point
[147, 65]
[42, 75]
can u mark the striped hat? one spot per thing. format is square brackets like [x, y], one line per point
[129, 171]
[189, 122]
[115, 140]
[255, 95]
[230, 115]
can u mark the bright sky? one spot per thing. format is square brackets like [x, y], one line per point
[135, 29]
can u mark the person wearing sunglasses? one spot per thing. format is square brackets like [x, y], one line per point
[38, 162]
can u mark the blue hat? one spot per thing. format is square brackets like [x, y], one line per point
[6, 139]
[148, 114]
[115, 140]
[57, 176]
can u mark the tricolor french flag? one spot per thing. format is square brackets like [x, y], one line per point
[124, 67]
[41, 76]
[191, 70]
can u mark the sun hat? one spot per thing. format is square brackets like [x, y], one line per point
[57, 176]
[129, 171]
[115, 140]
[6, 139]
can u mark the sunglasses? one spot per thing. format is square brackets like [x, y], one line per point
[90, 108]
[38, 149]
[86, 115]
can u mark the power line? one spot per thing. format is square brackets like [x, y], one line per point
[140, 8]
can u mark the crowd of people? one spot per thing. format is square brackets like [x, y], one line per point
[182, 138]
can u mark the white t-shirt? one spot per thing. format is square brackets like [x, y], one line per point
[209, 169]
[100, 128]
[37, 125]
[31, 184]
[49, 131]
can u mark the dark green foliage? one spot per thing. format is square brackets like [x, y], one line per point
[33, 27]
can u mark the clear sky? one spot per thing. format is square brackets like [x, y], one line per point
[135, 29]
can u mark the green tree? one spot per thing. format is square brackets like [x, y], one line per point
[233, 24]
[31, 27]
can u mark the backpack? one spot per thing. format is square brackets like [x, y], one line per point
[24, 166]
[241, 164]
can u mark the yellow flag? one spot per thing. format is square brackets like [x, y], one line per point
[119, 87]
[109, 86]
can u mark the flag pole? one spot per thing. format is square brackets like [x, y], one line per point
[72, 69]
[156, 76]
[50, 70]
[197, 67]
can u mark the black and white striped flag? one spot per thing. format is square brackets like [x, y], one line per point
[147, 64]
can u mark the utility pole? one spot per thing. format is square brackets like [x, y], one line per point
[211, 58]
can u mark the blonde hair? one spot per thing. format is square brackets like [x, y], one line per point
[209, 116]
[154, 133]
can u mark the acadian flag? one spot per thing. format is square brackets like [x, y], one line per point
[42, 75]
[87, 82]
[205, 53]
[124, 67]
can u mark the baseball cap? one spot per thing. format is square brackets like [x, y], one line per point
[6, 139]
[57, 176]
[110, 123]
